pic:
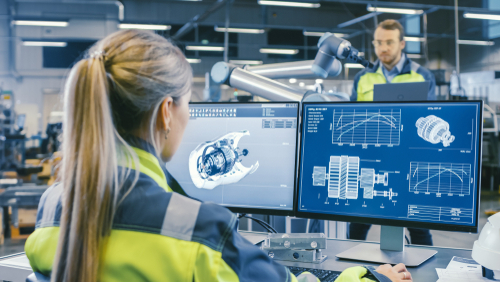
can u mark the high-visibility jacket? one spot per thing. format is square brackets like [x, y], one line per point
[411, 72]
[161, 235]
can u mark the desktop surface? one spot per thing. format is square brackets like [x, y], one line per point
[240, 155]
[402, 164]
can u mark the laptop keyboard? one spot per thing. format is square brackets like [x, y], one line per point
[323, 275]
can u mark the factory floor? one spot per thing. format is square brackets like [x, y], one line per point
[489, 201]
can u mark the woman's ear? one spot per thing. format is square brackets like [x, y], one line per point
[165, 114]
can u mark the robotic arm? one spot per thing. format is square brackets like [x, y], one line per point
[258, 79]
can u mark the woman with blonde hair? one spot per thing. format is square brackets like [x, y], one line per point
[117, 214]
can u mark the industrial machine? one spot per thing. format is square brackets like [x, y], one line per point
[258, 79]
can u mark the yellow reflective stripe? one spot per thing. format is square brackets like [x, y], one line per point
[40, 249]
[353, 274]
[150, 166]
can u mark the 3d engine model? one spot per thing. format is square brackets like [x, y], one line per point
[434, 130]
[344, 179]
[218, 162]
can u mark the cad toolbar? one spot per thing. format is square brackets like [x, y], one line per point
[212, 112]
[256, 110]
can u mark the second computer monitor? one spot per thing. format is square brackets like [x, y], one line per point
[240, 155]
[410, 164]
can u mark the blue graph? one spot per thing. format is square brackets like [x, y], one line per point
[366, 127]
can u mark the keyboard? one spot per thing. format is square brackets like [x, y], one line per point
[323, 275]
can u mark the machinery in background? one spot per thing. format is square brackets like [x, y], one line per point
[485, 85]
[258, 80]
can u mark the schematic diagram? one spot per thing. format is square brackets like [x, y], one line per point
[366, 127]
[344, 179]
[441, 178]
[434, 130]
[218, 162]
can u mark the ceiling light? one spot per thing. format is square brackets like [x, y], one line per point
[279, 51]
[193, 61]
[353, 66]
[205, 48]
[319, 34]
[289, 4]
[319, 80]
[239, 30]
[246, 62]
[476, 42]
[144, 26]
[292, 80]
[41, 23]
[414, 56]
[482, 16]
[44, 43]
[394, 10]
[414, 39]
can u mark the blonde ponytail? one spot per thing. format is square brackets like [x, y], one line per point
[127, 75]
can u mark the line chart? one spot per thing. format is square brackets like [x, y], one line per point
[440, 178]
[366, 127]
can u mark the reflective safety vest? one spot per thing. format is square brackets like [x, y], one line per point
[411, 72]
[160, 235]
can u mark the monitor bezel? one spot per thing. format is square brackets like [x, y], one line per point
[283, 212]
[394, 222]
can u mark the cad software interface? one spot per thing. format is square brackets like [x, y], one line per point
[412, 162]
[239, 155]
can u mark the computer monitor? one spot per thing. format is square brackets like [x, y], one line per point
[240, 155]
[402, 164]
[398, 92]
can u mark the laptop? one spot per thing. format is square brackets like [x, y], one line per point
[409, 91]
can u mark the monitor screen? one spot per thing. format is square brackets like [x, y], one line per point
[240, 155]
[411, 164]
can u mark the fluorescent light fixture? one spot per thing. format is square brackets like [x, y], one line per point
[42, 23]
[193, 61]
[319, 34]
[292, 80]
[246, 62]
[353, 66]
[289, 4]
[144, 26]
[239, 30]
[414, 56]
[319, 80]
[414, 39]
[205, 48]
[395, 10]
[482, 16]
[476, 42]
[279, 51]
[44, 43]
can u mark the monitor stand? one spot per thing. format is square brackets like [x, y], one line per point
[391, 250]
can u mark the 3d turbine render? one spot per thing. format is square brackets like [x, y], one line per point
[434, 130]
[218, 162]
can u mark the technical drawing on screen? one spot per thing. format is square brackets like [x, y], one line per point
[240, 155]
[412, 162]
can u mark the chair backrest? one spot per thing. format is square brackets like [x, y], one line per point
[37, 277]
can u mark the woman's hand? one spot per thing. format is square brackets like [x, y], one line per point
[396, 274]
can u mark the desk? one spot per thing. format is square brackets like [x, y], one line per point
[424, 273]
[16, 268]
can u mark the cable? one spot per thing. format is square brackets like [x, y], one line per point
[264, 224]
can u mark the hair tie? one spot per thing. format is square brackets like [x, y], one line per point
[98, 55]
